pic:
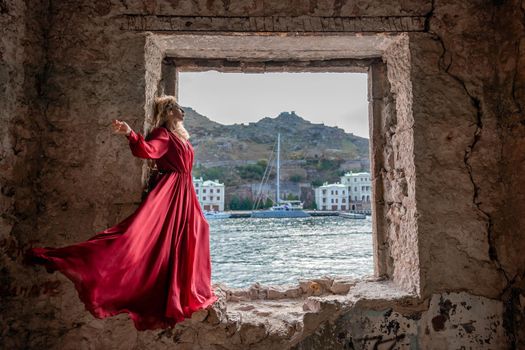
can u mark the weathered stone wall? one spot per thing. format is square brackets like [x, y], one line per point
[459, 150]
[398, 170]
[69, 67]
[444, 321]
[507, 224]
[23, 51]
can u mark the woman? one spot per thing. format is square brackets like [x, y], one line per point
[155, 264]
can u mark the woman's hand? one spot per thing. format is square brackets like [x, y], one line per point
[120, 127]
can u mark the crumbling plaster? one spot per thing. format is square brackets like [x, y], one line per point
[71, 66]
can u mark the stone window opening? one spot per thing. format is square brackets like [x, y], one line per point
[187, 80]
[385, 58]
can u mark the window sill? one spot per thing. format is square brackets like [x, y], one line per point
[281, 316]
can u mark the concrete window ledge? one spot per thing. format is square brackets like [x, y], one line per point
[278, 317]
[338, 313]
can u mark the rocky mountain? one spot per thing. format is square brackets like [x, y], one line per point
[300, 140]
[237, 155]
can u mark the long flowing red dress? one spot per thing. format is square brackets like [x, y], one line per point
[155, 264]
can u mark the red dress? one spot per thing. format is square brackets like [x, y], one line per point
[155, 264]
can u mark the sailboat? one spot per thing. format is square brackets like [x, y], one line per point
[282, 208]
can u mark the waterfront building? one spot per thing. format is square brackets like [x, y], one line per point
[359, 189]
[210, 194]
[331, 197]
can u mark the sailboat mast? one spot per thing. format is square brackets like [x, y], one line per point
[278, 199]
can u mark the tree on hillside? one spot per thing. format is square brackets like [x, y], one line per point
[291, 197]
[317, 183]
[296, 178]
[251, 171]
[235, 203]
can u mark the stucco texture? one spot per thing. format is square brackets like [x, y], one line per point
[447, 170]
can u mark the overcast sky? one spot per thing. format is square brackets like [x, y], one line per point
[335, 99]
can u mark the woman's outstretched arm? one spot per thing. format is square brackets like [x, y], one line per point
[153, 148]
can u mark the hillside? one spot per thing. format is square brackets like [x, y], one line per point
[300, 140]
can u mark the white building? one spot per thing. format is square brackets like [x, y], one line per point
[359, 188]
[331, 197]
[210, 194]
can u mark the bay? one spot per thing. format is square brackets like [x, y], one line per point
[282, 251]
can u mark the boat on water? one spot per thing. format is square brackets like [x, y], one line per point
[352, 215]
[287, 209]
[216, 215]
[281, 208]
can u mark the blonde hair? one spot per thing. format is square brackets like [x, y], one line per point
[160, 114]
[160, 119]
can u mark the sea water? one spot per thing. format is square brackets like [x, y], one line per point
[282, 251]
